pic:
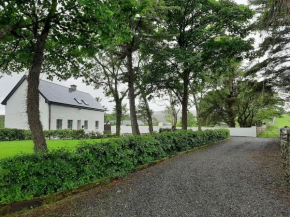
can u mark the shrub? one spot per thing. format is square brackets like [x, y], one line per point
[11, 134]
[18, 134]
[29, 176]
[161, 130]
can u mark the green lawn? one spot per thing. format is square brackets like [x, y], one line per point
[272, 131]
[12, 148]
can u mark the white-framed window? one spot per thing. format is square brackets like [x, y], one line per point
[97, 125]
[58, 124]
[86, 125]
[70, 124]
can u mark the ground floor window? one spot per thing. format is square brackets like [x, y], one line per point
[59, 124]
[97, 125]
[70, 124]
[86, 125]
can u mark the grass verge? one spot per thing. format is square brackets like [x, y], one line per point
[273, 130]
[13, 148]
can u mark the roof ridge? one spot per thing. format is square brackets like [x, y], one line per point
[63, 86]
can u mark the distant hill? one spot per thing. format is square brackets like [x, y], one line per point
[160, 115]
[2, 120]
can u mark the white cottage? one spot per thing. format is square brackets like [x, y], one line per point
[60, 108]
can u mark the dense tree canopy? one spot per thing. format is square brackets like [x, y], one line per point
[201, 34]
[186, 49]
[248, 103]
[274, 21]
[50, 37]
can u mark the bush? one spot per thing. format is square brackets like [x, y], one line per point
[161, 130]
[11, 134]
[28, 176]
[18, 134]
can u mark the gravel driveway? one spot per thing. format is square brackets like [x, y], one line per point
[238, 177]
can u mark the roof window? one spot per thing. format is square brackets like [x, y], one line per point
[79, 102]
[85, 102]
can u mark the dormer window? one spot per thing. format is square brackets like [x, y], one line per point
[78, 101]
[85, 102]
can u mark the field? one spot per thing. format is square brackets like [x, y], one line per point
[12, 148]
[272, 131]
[2, 118]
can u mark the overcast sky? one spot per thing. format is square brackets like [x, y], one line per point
[8, 82]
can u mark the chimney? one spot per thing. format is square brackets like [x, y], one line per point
[73, 88]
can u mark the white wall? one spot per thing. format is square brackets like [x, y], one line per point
[249, 132]
[15, 110]
[69, 113]
[16, 117]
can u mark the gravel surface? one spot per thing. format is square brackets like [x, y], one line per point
[237, 177]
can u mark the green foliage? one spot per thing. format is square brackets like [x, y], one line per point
[272, 130]
[75, 30]
[274, 17]
[112, 116]
[203, 35]
[2, 121]
[161, 130]
[191, 120]
[12, 134]
[238, 99]
[18, 134]
[42, 173]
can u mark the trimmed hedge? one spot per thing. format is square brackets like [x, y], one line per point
[161, 130]
[18, 134]
[28, 176]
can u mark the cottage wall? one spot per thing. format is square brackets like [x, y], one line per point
[15, 110]
[76, 114]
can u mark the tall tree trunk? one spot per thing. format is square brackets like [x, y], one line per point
[131, 93]
[232, 122]
[33, 94]
[149, 115]
[173, 111]
[184, 102]
[174, 115]
[118, 116]
[197, 112]
[231, 113]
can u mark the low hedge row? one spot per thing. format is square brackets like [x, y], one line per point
[18, 134]
[28, 176]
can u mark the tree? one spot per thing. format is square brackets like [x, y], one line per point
[256, 103]
[191, 120]
[109, 73]
[145, 114]
[201, 34]
[172, 110]
[47, 37]
[140, 19]
[112, 116]
[247, 102]
[274, 22]
[219, 106]
[199, 86]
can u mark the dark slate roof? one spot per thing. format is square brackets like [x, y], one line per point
[60, 95]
